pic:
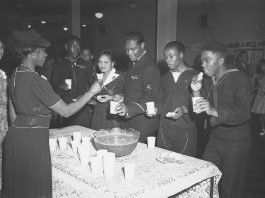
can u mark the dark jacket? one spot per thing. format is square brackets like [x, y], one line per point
[142, 84]
[231, 98]
[81, 73]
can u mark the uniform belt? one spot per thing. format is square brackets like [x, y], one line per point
[29, 121]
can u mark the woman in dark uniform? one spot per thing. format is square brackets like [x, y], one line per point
[26, 154]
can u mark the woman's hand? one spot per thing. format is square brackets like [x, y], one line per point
[64, 86]
[104, 98]
[118, 97]
[95, 88]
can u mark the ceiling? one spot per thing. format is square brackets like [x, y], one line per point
[35, 8]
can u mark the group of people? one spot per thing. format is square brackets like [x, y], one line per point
[223, 97]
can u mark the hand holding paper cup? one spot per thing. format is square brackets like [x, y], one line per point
[113, 105]
[68, 82]
[194, 102]
[150, 108]
[151, 142]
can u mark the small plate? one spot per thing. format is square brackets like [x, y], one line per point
[169, 158]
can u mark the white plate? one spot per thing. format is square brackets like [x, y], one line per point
[169, 158]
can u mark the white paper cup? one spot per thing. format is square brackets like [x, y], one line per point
[74, 146]
[52, 144]
[62, 142]
[129, 170]
[69, 83]
[86, 140]
[108, 164]
[151, 140]
[150, 106]
[77, 137]
[194, 100]
[83, 152]
[94, 165]
[113, 105]
[100, 154]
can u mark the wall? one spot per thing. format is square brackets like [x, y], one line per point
[119, 21]
[228, 21]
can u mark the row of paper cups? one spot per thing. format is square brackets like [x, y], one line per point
[104, 164]
[62, 141]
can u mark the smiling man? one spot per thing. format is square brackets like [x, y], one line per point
[227, 103]
[81, 76]
[142, 82]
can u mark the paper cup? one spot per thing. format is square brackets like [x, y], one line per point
[83, 152]
[151, 142]
[62, 143]
[108, 165]
[77, 137]
[100, 154]
[86, 140]
[150, 106]
[94, 165]
[129, 170]
[113, 105]
[74, 146]
[194, 100]
[52, 144]
[69, 83]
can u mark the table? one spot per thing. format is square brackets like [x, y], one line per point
[152, 178]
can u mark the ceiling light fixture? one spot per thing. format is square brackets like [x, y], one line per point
[65, 29]
[132, 5]
[29, 26]
[99, 15]
[84, 25]
[43, 22]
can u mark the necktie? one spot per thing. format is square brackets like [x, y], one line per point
[74, 84]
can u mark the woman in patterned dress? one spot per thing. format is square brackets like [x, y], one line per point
[112, 82]
[26, 155]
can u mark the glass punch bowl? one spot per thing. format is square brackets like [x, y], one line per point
[119, 141]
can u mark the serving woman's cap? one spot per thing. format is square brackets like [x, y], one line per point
[30, 38]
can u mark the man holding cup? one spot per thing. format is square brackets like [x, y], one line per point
[71, 78]
[227, 104]
[177, 131]
[142, 85]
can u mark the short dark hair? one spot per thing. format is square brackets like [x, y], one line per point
[176, 45]
[136, 36]
[72, 38]
[107, 52]
[216, 47]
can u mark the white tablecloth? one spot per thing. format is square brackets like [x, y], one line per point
[152, 178]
